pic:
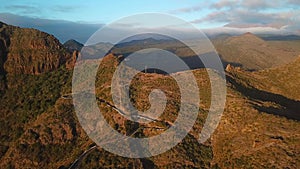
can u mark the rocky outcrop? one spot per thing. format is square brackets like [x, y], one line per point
[4, 43]
[71, 62]
[230, 68]
[29, 51]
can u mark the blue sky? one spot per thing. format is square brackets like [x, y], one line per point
[257, 16]
[93, 11]
[205, 14]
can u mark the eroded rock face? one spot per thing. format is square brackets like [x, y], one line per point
[29, 51]
[71, 62]
[4, 44]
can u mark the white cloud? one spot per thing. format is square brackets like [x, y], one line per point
[186, 10]
[254, 14]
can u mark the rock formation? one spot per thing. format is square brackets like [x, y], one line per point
[29, 51]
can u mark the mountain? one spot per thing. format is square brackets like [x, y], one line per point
[279, 37]
[73, 45]
[247, 50]
[282, 80]
[258, 128]
[29, 51]
[260, 124]
[253, 53]
[96, 50]
[33, 75]
[39, 127]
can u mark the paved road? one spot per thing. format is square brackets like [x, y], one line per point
[79, 159]
[123, 113]
[69, 96]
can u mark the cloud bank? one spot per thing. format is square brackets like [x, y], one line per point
[281, 16]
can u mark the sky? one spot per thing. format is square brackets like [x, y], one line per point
[281, 16]
[91, 11]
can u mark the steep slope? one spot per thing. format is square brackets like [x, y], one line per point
[29, 51]
[282, 80]
[33, 73]
[253, 53]
[252, 134]
[260, 125]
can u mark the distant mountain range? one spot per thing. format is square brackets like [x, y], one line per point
[63, 30]
[279, 37]
[66, 30]
[247, 50]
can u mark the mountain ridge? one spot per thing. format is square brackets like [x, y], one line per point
[30, 51]
[254, 53]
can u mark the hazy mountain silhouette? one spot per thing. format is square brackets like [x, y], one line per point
[63, 30]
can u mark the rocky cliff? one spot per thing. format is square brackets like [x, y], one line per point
[29, 51]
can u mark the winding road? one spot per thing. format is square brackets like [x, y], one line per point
[79, 159]
[69, 97]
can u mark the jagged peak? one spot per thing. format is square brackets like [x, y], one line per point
[72, 45]
[72, 41]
